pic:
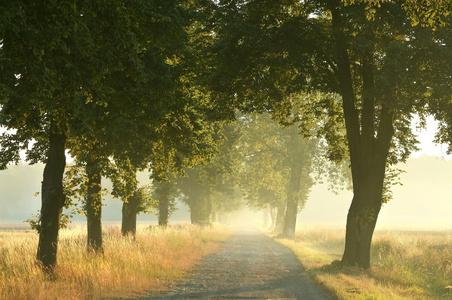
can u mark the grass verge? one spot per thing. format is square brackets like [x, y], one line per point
[128, 268]
[405, 264]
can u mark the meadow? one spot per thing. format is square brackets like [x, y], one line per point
[405, 264]
[128, 268]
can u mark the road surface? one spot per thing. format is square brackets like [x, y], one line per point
[249, 265]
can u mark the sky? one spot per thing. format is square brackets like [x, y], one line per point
[426, 144]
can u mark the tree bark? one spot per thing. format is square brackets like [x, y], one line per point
[290, 220]
[367, 199]
[163, 211]
[273, 212]
[368, 151]
[52, 198]
[164, 201]
[361, 221]
[93, 207]
[293, 195]
[279, 223]
[265, 217]
[129, 216]
[201, 209]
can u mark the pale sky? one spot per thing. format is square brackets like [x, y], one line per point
[426, 137]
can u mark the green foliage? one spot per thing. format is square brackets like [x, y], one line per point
[429, 13]
[320, 115]
[248, 43]
[146, 202]
[271, 155]
[74, 188]
[392, 178]
[114, 77]
[75, 184]
[247, 55]
[166, 191]
[123, 176]
[210, 183]
[145, 85]
[35, 222]
[424, 12]
[125, 185]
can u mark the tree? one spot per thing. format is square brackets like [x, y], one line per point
[61, 60]
[378, 100]
[209, 177]
[165, 193]
[39, 81]
[123, 175]
[196, 195]
[277, 168]
[264, 175]
[83, 186]
[140, 202]
[266, 56]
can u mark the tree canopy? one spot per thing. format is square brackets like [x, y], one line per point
[265, 52]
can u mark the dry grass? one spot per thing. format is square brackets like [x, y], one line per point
[405, 264]
[128, 268]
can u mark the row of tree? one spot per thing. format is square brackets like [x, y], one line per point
[371, 59]
[149, 84]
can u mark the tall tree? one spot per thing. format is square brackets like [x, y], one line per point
[83, 185]
[277, 167]
[93, 206]
[262, 56]
[123, 175]
[165, 193]
[209, 177]
[58, 60]
[39, 81]
[378, 101]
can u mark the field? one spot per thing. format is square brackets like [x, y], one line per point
[405, 264]
[128, 268]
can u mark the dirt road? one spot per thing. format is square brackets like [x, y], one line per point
[248, 266]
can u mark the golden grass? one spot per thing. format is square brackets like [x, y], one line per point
[405, 264]
[128, 268]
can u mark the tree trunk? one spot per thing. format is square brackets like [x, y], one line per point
[290, 220]
[199, 215]
[200, 210]
[164, 198]
[53, 199]
[273, 212]
[195, 217]
[293, 195]
[369, 142]
[265, 217]
[129, 216]
[362, 218]
[279, 223]
[214, 217]
[93, 207]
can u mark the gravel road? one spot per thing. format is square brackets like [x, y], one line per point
[249, 265]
